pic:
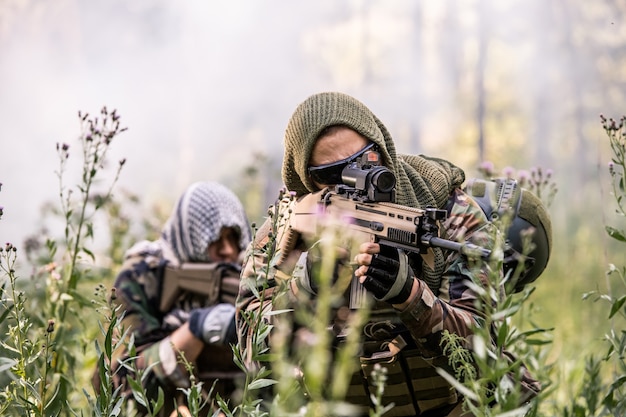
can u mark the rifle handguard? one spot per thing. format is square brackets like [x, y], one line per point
[199, 278]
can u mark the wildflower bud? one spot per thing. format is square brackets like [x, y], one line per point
[1, 211]
[523, 176]
[50, 328]
[65, 147]
[508, 172]
[122, 161]
[486, 168]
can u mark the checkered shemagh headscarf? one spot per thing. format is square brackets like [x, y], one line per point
[198, 218]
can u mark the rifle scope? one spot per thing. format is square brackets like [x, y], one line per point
[369, 178]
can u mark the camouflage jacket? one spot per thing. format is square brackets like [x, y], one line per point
[407, 342]
[138, 292]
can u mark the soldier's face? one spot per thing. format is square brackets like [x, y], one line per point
[338, 144]
[226, 248]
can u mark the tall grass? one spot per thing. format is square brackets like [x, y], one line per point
[55, 331]
[47, 340]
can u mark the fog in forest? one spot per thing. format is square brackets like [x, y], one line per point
[206, 88]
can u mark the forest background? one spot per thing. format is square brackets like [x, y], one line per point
[206, 89]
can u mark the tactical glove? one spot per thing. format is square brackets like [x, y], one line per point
[389, 277]
[215, 324]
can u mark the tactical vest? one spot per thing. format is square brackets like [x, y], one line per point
[413, 384]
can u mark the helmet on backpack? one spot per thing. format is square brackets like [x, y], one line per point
[503, 195]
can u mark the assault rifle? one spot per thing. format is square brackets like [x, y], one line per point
[365, 204]
[402, 227]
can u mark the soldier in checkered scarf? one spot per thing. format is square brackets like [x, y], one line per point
[208, 229]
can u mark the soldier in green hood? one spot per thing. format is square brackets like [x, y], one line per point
[418, 295]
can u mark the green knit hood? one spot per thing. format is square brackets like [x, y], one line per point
[421, 181]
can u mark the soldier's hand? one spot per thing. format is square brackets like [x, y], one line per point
[385, 272]
[214, 324]
[306, 269]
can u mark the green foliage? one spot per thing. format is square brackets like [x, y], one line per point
[485, 372]
[312, 379]
[600, 395]
[108, 402]
[27, 357]
[50, 342]
[47, 336]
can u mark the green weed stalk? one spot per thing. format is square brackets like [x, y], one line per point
[47, 344]
[481, 368]
[296, 372]
[599, 395]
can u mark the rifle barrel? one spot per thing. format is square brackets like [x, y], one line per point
[465, 248]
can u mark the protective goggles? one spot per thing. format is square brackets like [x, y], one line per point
[330, 174]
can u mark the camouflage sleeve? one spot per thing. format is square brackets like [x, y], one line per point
[261, 283]
[454, 308]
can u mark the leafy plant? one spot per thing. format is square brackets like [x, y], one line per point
[46, 337]
[308, 379]
[607, 396]
[491, 368]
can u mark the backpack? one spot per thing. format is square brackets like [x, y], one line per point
[500, 196]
